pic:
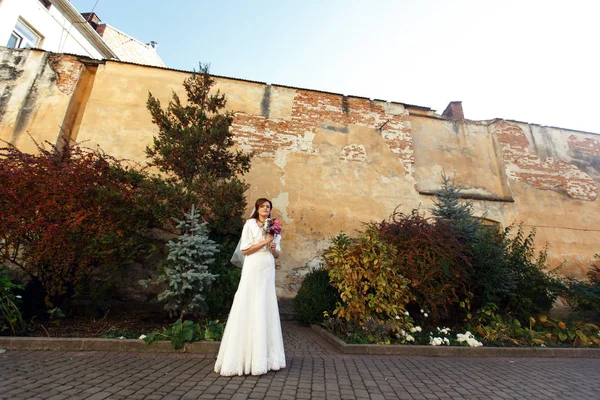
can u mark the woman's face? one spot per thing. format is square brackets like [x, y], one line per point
[264, 210]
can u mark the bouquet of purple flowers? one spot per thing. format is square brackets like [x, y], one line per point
[272, 226]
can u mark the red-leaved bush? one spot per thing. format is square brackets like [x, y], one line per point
[65, 214]
[430, 256]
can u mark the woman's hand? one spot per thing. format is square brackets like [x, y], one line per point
[273, 248]
[269, 239]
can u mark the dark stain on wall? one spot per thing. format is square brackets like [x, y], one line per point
[345, 105]
[265, 104]
[587, 163]
[9, 73]
[335, 128]
[28, 106]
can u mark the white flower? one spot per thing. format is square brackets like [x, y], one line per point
[542, 345]
[122, 337]
[409, 338]
[426, 315]
[397, 317]
[469, 338]
[18, 297]
[406, 313]
[422, 311]
[416, 329]
[474, 343]
[142, 337]
[444, 331]
[446, 341]
[435, 341]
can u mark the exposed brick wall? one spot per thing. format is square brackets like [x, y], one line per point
[68, 69]
[587, 146]
[353, 153]
[310, 109]
[524, 166]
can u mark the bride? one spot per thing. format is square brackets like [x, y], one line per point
[252, 342]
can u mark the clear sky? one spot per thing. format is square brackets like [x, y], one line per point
[528, 60]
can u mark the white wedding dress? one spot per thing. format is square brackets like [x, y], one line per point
[252, 342]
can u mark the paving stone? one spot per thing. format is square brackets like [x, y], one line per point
[314, 371]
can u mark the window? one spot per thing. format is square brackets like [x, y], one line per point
[23, 37]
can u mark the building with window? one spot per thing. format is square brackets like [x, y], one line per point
[56, 26]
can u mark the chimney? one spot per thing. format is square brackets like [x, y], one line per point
[92, 19]
[454, 110]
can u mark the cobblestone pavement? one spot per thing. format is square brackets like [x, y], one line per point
[314, 371]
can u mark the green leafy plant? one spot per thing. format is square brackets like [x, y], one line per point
[178, 333]
[501, 330]
[315, 297]
[10, 315]
[116, 333]
[536, 288]
[187, 331]
[213, 331]
[584, 296]
[576, 334]
[371, 331]
[364, 274]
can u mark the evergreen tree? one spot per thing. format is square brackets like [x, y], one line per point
[187, 275]
[194, 146]
[492, 279]
[450, 207]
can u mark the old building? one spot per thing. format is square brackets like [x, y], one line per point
[328, 161]
[55, 25]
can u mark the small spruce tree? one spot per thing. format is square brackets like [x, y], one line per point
[187, 275]
[449, 206]
[492, 279]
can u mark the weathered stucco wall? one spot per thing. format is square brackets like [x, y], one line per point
[329, 162]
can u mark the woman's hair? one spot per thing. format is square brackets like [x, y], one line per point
[257, 205]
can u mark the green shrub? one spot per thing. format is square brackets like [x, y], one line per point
[584, 297]
[220, 298]
[315, 297]
[536, 289]
[11, 320]
[364, 273]
[506, 270]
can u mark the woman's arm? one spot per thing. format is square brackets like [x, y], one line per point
[275, 253]
[274, 247]
[255, 247]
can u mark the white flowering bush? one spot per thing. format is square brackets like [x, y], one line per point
[438, 341]
[469, 339]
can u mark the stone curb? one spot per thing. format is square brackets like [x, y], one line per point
[453, 351]
[92, 344]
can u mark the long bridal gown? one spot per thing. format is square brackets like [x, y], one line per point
[252, 342]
